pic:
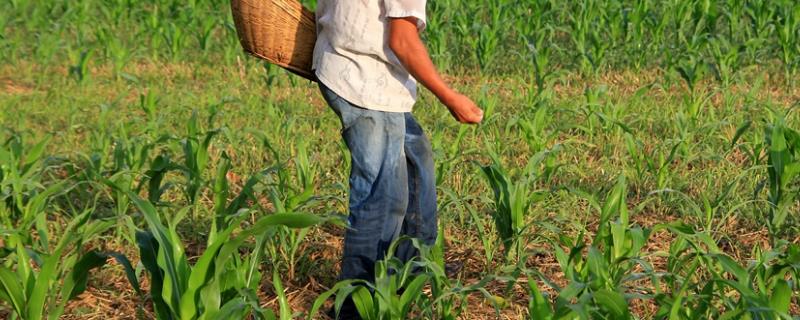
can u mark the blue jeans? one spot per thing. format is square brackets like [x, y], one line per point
[392, 185]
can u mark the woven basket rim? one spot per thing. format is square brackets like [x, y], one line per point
[289, 45]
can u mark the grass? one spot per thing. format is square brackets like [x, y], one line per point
[586, 163]
[652, 176]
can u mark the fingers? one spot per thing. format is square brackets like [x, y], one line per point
[472, 118]
[476, 116]
[463, 109]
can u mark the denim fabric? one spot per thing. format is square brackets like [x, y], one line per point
[392, 185]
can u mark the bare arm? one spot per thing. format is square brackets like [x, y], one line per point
[408, 47]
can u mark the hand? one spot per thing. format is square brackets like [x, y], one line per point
[462, 108]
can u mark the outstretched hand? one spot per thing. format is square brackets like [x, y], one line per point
[462, 108]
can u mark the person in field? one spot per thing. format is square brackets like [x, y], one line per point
[368, 59]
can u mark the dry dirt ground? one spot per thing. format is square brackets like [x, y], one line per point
[109, 296]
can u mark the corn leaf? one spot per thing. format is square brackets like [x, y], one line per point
[412, 291]
[364, 303]
[613, 302]
[13, 290]
[781, 297]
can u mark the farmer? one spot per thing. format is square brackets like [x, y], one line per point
[368, 59]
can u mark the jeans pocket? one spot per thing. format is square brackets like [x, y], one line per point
[347, 112]
[351, 117]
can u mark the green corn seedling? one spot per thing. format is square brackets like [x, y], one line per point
[784, 167]
[203, 290]
[512, 200]
[788, 30]
[597, 281]
[726, 59]
[204, 37]
[24, 198]
[61, 274]
[195, 151]
[702, 279]
[80, 65]
[398, 288]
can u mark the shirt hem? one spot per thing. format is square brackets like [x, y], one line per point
[357, 101]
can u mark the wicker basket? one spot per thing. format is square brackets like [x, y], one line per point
[282, 32]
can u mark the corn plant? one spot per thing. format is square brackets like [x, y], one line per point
[683, 265]
[218, 285]
[398, 288]
[711, 211]
[5, 17]
[788, 30]
[118, 54]
[762, 15]
[614, 26]
[535, 129]
[691, 69]
[486, 46]
[597, 282]
[386, 302]
[592, 109]
[487, 237]
[784, 166]
[206, 31]
[586, 36]
[130, 156]
[538, 305]
[540, 47]
[436, 40]
[174, 38]
[59, 276]
[512, 198]
[195, 152]
[48, 46]
[636, 34]
[23, 195]
[637, 20]
[655, 166]
[289, 194]
[726, 59]
[289, 198]
[703, 282]
[153, 26]
[80, 65]
[451, 150]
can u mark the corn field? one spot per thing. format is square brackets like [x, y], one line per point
[638, 159]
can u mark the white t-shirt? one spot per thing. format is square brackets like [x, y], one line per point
[352, 55]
